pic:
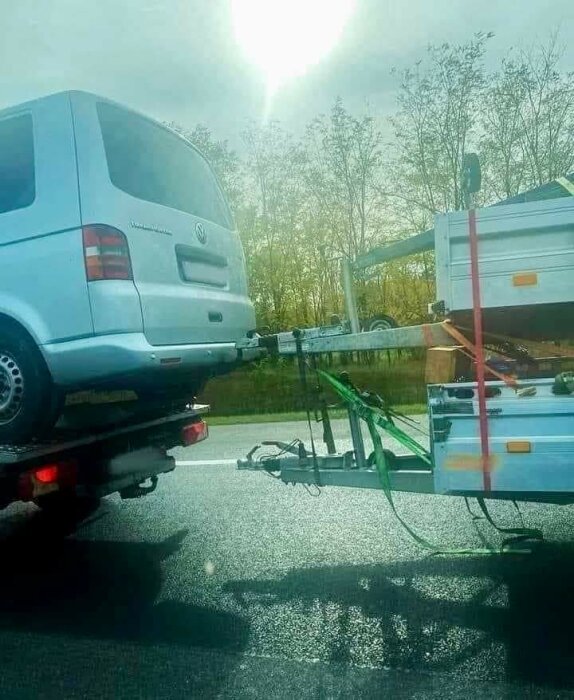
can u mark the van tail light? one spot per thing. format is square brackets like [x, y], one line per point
[106, 253]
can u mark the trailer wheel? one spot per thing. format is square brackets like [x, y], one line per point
[380, 322]
[28, 402]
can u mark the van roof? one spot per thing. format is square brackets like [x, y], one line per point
[63, 94]
[51, 96]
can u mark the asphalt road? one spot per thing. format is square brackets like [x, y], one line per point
[233, 585]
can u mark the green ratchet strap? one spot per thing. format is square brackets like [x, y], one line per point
[373, 418]
[366, 412]
[520, 533]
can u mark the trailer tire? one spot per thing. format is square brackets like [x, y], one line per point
[380, 322]
[28, 399]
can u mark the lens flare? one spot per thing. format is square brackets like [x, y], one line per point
[284, 38]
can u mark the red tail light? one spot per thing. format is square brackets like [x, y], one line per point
[106, 253]
[47, 478]
[194, 432]
[48, 474]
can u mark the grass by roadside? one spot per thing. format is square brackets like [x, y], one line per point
[410, 410]
[272, 389]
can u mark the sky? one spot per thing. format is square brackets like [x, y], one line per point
[179, 60]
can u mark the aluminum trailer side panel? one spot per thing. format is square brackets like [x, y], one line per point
[531, 439]
[526, 259]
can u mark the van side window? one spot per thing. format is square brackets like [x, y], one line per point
[150, 162]
[17, 177]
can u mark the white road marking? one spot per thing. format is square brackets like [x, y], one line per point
[203, 462]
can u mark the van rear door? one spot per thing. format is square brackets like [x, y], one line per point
[152, 185]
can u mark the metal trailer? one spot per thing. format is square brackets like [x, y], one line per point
[531, 432]
[74, 467]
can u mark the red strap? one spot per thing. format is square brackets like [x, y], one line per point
[469, 350]
[479, 349]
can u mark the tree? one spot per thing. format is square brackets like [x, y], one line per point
[302, 203]
[343, 158]
[435, 125]
[501, 143]
[272, 234]
[528, 122]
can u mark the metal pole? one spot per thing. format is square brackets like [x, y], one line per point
[357, 438]
[349, 294]
[328, 438]
[355, 426]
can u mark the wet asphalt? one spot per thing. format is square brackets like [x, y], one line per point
[226, 584]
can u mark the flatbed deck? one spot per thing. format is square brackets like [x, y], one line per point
[68, 440]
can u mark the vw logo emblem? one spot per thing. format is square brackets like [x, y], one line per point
[200, 233]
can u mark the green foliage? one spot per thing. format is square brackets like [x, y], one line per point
[528, 121]
[275, 388]
[300, 203]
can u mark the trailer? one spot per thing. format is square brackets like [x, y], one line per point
[71, 468]
[494, 437]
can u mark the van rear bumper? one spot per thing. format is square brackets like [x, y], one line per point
[97, 359]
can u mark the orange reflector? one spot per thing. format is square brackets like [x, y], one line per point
[518, 446]
[47, 474]
[525, 279]
[470, 463]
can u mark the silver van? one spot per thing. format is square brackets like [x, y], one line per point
[120, 265]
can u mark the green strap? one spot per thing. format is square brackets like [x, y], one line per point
[519, 533]
[367, 412]
[374, 418]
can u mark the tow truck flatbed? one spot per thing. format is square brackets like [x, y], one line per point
[76, 466]
[66, 440]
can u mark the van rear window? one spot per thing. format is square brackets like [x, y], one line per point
[151, 163]
[17, 178]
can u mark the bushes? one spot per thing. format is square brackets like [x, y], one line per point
[272, 386]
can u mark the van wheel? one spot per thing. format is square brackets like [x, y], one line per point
[27, 397]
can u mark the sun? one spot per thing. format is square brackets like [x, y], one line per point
[284, 38]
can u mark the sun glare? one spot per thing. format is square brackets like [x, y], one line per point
[284, 38]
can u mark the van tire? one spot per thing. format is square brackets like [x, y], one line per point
[28, 400]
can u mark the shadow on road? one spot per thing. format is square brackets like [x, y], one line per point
[524, 604]
[106, 590]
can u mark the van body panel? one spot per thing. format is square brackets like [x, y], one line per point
[42, 277]
[189, 271]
